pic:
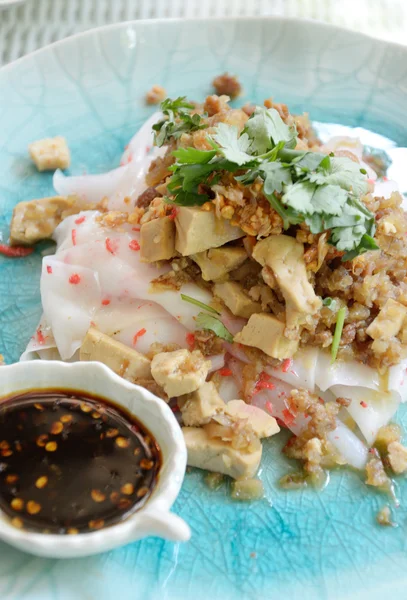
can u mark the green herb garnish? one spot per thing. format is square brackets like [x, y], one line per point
[198, 303]
[330, 303]
[177, 120]
[322, 191]
[205, 321]
[340, 320]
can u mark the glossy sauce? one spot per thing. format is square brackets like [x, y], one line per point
[72, 463]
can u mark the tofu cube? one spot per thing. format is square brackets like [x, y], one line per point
[263, 424]
[216, 263]
[124, 361]
[157, 240]
[388, 322]
[36, 220]
[218, 456]
[199, 407]
[236, 300]
[50, 154]
[265, 332]
[198, 230]
[180, 372]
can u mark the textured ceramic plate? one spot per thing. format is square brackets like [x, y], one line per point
[90, 89]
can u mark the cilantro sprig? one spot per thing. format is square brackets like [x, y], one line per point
[177, 120]
[302, 186]
[204, 320]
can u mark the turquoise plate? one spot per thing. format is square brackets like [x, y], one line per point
[89, 88]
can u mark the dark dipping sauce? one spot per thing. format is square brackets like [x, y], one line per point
[72, 463]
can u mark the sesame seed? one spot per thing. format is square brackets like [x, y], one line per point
[11, 479]
[51, 446]
[66, 418]
[42, 440]
[142, 492]
[112, 432]
[98, 496]
[96, 524]
[122, 442]
[114, 497]
[17, 522]
[146, 464]
[72, 531]
[17, 504]
[85, 407]
[41, 482]
[127, 488]
[33, 508]
[56, 427]
[96, 415]
[38, 406]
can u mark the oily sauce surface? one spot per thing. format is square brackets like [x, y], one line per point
[72, 463]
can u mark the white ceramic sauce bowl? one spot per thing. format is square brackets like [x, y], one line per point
[154, 518]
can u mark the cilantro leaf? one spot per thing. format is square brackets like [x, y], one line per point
[266, 129]
[329, 199]
[275, 175]
[299, 197]
[177, 120]
[343, 172]
[233, 147]
[193, 156]
[212, 323]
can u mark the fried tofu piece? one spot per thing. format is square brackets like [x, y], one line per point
[180, 372]
[388, 322]
[198, 230]
[50, 154]
[124, 361]
[157, 240]
[156, 95]
[216, 263]
[263, 424]
[285, 257]
[199, 407]
[236, 299]
[266, 332]
[397, 457]
[216, 455]
[36, 220]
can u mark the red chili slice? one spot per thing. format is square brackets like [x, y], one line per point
[15, 251]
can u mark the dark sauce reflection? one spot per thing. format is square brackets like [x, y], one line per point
[72, 463]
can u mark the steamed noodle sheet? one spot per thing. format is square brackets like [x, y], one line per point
[96, 278]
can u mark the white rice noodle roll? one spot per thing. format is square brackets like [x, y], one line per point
[122, 274]
[385, 187]
[121, 186]
[370, 410]
[397, 380]
[353, 450]
[161, 330]
[300, 373]
[230, 386]
[349, 373]
[355, 375]
[141, 144]
[217, 362]
[42, 344]
[301, 370]
[69, 308]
